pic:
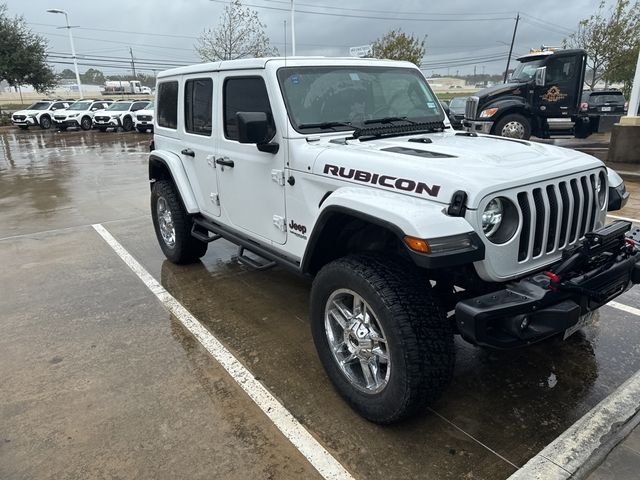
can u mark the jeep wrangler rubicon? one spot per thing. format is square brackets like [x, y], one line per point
[347, 170]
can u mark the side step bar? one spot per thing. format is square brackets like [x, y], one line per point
[202, 227]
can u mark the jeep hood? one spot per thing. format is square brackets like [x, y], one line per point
[480, 165]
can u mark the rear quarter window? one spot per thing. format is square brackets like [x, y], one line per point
[168, 105]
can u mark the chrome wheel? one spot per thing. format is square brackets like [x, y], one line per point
[165, 222]
[357, 341]
[513, 130]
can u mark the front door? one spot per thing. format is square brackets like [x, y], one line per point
[560, 95]
[198, 145]
[251, 182]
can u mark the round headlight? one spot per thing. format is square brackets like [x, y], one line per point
[601, 189]
[492, 217]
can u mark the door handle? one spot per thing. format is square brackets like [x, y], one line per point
[224, 161]
[188, 152]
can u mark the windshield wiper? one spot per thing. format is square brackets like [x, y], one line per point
[388, 120]
[326, 125]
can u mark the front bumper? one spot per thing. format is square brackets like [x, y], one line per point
[29, 121]
[111, 123]
[69, 122]
[618, 197]
[477, 127]
[536, 308]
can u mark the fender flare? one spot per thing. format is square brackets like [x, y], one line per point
[400, 214]
[172, 164]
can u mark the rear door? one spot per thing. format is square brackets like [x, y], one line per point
[251, 182]
[198, 142]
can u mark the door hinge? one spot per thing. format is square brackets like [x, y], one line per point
[278, 177]
[280, 223]
[215, 199]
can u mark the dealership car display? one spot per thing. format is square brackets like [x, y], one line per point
[79, 114]
[120, 114]
[39, 114]
[143, 119]
[348, 171]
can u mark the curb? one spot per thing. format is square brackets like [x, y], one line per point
[588, 441]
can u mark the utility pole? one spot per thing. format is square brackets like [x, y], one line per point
[133, 65]
[293, 29]
[513, 39]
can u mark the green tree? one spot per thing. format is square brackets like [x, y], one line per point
[397, 45]
[610, 37]
[240, 34]
[23, 58]
[92, 77]
[67, 73]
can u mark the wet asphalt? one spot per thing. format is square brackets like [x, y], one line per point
[99, 381]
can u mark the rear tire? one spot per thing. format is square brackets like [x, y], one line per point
[173, 225]
[513, 126]
[418, 340]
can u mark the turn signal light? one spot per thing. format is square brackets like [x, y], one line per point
[417, 244]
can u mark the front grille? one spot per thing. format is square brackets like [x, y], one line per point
[144, 118]
[59, 117]
[471, 108]
[19, 117]
[557, 215]
[102, 119]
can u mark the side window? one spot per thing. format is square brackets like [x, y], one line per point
[168, 105]
[138, 106]
[198, 98]
[57, 106]
[561, 69]
[244, 94]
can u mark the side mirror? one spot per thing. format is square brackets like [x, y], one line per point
[254, 127]
[541, 76]
[94, 109]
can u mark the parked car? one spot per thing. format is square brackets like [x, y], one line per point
[603, 108]
[38, 114]
[456, 112]
[119, 114]
[79, 114]
[143, 119]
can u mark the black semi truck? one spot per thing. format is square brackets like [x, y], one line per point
[541, 98]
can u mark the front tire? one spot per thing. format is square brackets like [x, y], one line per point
[381, 338]
[127, 124]
[513, 126]
[85, 123]
[173, 225]
[45, 123]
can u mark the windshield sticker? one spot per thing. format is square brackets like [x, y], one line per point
[431, 105]
[295, 79]
[354, 77]
[387, 181]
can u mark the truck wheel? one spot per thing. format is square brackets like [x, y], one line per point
[381, 338]
[127, 124]
[85, 123]
[173, 225]
[45, 122]
[513, 126]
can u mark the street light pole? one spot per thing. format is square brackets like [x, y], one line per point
[73, 49]
[293, 29]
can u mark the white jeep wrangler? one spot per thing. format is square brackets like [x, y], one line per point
[347, 170]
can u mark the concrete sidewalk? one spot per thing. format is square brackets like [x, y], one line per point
[623, 462]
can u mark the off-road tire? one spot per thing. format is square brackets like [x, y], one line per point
[127, 124]
[45, 122]
[419, 338]
[515, 118]
[85, 123]
[187, 249]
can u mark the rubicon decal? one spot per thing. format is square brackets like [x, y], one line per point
[388, 181]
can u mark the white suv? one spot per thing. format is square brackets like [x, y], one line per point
[39, 113]
[119, 114]
[79, 114]
[144, 119]
[347, 170]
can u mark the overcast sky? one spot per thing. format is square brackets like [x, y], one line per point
[460, 34]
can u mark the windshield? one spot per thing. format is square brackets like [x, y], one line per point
[39, 106]
[80, 106]
[119, 107]
[458, 102]
[526, 71]
[355, 95]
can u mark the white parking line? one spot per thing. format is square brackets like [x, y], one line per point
[633, 220]
[315, 453]
[585, 443]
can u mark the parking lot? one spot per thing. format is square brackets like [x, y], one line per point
[100, 381]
